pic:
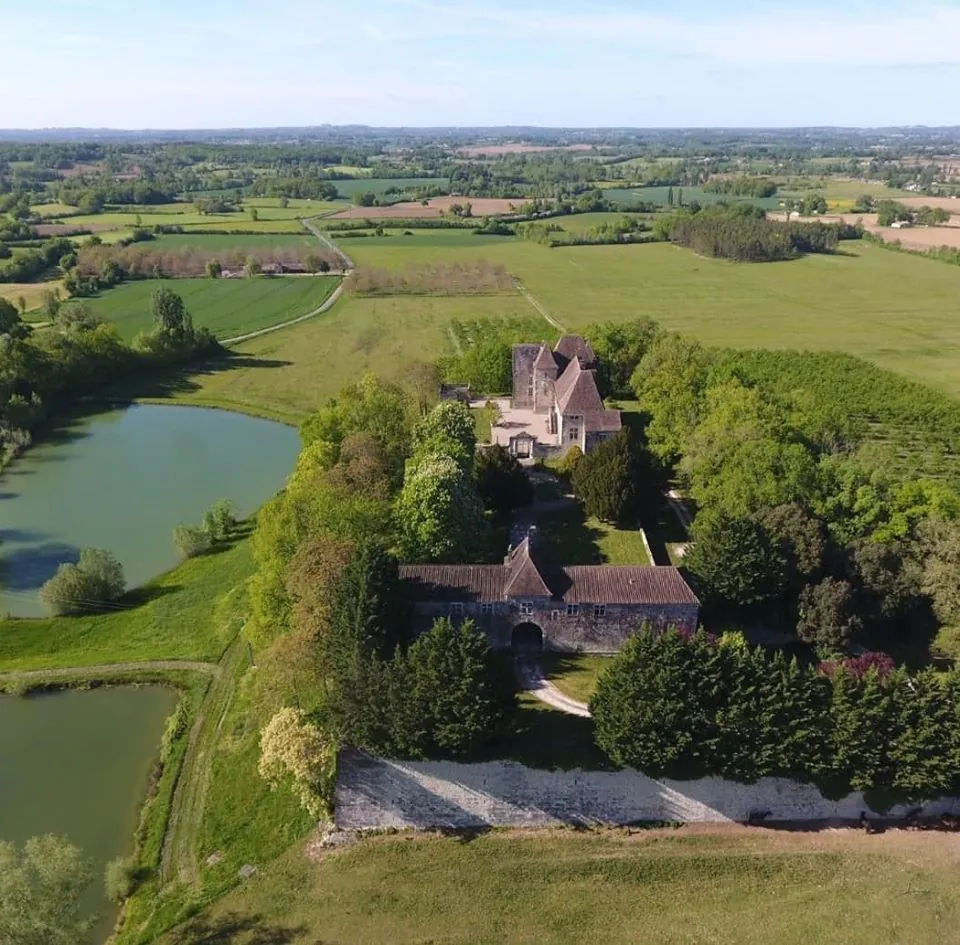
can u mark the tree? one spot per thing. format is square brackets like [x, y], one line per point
[254, 214]
[449, 428]
[220, 520]
[40, 892]
[501, 481]
[734, 561]
[294, 751]
[120, 879]
[940, 579]
[828, 617]
[214, 269]
[191, 542]
[439, 513]
[10, 322]
[172, 321]
[22, 305]
[801, 538]
[619, 347]
[607, 479]
[252, 267]
[454, 693]
[76, 317]
[96, 579]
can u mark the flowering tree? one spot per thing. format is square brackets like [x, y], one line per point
[294, 751]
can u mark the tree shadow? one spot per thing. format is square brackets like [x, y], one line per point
[236, 928]
[138, 596]
[184, 380]
[567, 539]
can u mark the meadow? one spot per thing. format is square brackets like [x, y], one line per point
[378, 185]
[291, 372]
[31, 292]
[228, 307]
[229, 242]
[894, 309]
[659, 195]
[670, 886]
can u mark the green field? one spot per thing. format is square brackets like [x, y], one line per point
[894, 309]
[378, 185]
[228, 307]
[226, 242]
[291, 372]
[738, 886]
[412, 240]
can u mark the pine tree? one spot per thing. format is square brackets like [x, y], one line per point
[921, 751]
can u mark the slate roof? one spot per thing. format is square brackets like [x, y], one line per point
[575, 348]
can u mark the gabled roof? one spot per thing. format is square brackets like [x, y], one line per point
[480, 583]
[575, 348]
[577, 392]
[617, 584]
[524, 578]
[545, 361]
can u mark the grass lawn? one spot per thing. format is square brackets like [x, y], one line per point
[225, 242]
[734, 886]
[293, 371]
[575, 674]
[894, 309]
[185, 614]
[227, 307]
[569, 537]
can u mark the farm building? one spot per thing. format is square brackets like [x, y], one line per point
[555, 403]
[528, 603]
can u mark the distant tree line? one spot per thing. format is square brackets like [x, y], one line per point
[741, 186]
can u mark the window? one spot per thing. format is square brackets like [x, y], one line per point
[599, 610]
[554, 614]
[486, 610]
[573, 610]
[574, 434]
[456, 610]
[526, 609]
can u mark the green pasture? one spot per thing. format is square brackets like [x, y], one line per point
[658, 196]
[228, 307]
[894, 309]
[291, 372]
[52, 209]
[378, 185]
[242, 222]
[414, 240]
[579, 222]
[226, 242]
[672, 886]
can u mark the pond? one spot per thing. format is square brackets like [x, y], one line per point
[77, 764]
[123, 480]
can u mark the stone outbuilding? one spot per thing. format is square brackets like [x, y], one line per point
[527, 603]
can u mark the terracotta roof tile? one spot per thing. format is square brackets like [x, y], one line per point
[481, 583]
[616, 584]
[575, 347]
[525, 578]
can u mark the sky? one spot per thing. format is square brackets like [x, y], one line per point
[562, 63]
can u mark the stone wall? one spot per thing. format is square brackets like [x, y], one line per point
[523, 358]
[372, 793]
[580, 633]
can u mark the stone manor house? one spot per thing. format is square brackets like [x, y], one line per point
[528, 603]
[555, 403]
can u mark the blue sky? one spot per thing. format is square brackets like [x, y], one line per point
[229, 63]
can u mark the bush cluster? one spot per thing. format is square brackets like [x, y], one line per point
[84, 587]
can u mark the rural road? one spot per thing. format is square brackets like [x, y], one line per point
[327, 305]
[329, 243]
[522, 289]
[109, 669]
[532, 680]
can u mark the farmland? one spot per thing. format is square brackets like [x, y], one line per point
[291, 372]
[226, 307]
[893, 309]
[670, 886]
[226, 242]
[435, 207]
[659, 196]
[379, 185]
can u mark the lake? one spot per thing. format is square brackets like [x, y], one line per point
[123, 480]
[77, 764]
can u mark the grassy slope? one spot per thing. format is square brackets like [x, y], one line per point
[32, 292]
[575, 674]
[293, 371]
[226, 306]
[894, 309]
[186, 615]
[665, 886]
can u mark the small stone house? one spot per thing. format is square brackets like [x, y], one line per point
[558, 390]
[527, 603]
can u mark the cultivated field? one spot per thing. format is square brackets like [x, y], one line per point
[659, 195]
[228, 307]
[31, 292]
[378, 185]
[435, 207]
[230, 243]
[290, 372]
[912, 237]
[734, 886]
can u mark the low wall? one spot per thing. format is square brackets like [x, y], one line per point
[375, 793]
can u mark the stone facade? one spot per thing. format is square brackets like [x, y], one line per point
[526, 602]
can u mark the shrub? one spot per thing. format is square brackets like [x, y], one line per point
[220, 520]
[120, 879]
[607, 479]
[501, 481]
[84, 587]
[190, 541]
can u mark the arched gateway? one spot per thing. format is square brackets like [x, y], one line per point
[526, 638]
